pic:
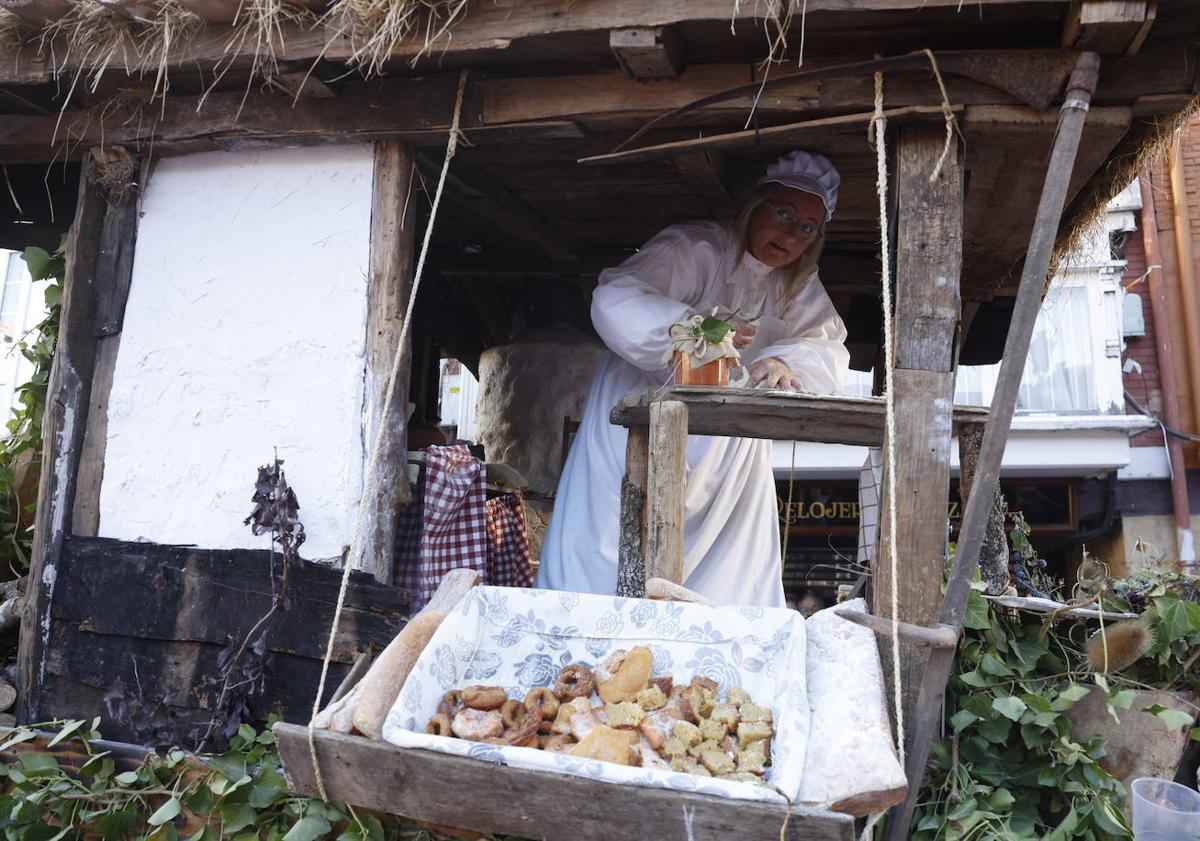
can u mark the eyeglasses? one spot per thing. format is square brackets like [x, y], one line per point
[783, 218]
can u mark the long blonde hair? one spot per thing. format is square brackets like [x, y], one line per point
[800, 269]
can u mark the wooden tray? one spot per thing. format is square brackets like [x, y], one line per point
[473, 794]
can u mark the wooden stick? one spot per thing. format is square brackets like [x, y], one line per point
[928, 717]
[631, 565]
[941, 636]
[666, 475]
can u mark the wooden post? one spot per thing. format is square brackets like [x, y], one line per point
[928, 718]
[67, 396]
[928, 262]
[110, 289]
[993, 557]
[631, 566]
[665, 480]
[393, 226]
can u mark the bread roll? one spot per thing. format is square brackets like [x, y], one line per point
[660, 589]
[381, 684]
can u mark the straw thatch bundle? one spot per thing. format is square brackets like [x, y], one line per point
[12, 30]
[93, 39]
[375, 28]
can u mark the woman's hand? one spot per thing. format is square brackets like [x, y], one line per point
[743, 332]
[773, 373]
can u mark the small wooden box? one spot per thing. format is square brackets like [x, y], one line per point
[713, 373]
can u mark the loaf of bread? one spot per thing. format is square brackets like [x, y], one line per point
[381, 684]
[660, 589]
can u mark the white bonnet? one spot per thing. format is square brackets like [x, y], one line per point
[809, 172]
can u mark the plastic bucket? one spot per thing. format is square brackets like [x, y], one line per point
[1165, 811]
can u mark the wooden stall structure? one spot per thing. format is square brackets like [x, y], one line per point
[587, 126]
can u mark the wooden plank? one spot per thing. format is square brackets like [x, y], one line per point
[492, 27]
[785, 134]
[928, 719]
[67, 397]
[666, 482]
[179, 593]
[114, 274]
[389, 286]
[492, 200]
[648, 53]
[531, 804]
[631, 564]
[1108, 27]
[993, 557]
[753, 413]
[928, 251]
[703, 173]
[928, 263]
[85, 513]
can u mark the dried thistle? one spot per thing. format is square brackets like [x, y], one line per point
[1120, 646]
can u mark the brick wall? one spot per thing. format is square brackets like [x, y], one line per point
[1145, 387]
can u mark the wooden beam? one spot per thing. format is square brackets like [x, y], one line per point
[492, 27]
[1108, 27]
[631, 564]
[648, 53]
[752, 413]
[494, 201]
[393, 240]
[37, 12]
[777, 135]
[928, 719]
[67, 397]
[666, 481]
[928, 264]
[704, 173]
[373, 774]
[114, 274]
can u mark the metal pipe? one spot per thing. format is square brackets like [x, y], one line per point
[1166, 371]
[1187, 273]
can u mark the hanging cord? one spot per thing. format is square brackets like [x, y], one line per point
[787, 512]
[879, 122]
[951, 123]
[377, 446]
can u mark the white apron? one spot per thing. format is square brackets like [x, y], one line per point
[731, 527]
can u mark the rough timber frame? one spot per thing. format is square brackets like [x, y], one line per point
[548, 109]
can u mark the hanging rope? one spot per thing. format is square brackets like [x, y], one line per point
[947, 111]
[377, 446]
[879, 123]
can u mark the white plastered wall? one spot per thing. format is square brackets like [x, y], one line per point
[244, 334]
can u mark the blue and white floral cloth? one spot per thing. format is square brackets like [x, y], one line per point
[519, 639]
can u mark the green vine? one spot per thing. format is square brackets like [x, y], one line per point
[239, 795]
[1012, 768]
[18, 493]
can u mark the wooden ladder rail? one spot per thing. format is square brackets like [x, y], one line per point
[1016, 347]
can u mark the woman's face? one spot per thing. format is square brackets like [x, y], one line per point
[782, 227]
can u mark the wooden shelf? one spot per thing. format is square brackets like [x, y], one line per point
[782, 416]
[478, 795]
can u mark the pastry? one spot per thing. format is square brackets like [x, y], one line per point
[477, 725]
[542, 698]
[629, 673]
[484, 697]
[574, 681]
[606, 744]
[623, 716]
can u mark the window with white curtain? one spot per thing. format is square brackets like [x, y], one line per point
[1060, 372]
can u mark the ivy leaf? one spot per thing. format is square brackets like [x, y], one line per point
[236, 817]
[118, 824]
[308, 828]
[993, 665]
[962, 719]
[1179, 617]
[1174, 719]
[1123, 699]
[1067, 697]
[17, 738]
[1010, 706]
[66, 732]
[1109, 819]
[206, 833]
[714, 330]
[38, 765]
[126, 778]
[976, 617]
[37, 260]
[1194, 734]
[974, 679]
[166, 812]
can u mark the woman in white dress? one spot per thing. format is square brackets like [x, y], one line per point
[761, 274]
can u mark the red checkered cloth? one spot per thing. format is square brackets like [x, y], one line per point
[454, 518]
[508, 542]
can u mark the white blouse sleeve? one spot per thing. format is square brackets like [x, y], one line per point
[813, 340]
[637, 301]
